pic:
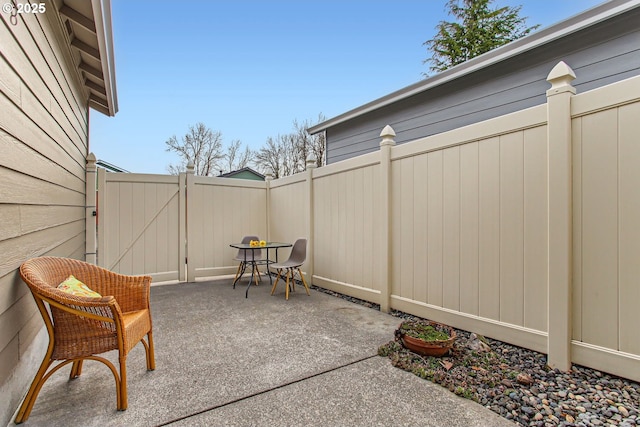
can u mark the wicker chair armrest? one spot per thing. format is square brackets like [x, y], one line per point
[104, 309]
[131, 292]
[81, 326]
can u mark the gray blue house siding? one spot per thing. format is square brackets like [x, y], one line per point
[599, 54]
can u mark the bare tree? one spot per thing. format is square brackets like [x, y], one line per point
[286, 154]
[269, 157]
[200, 145]
[236, 158]
[281, 156]
[293, 160]
[310, 144]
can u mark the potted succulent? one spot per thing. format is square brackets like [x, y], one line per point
[426, 337]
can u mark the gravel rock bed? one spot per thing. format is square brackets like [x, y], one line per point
[516, 383]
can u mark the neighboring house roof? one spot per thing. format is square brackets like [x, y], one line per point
[90, 40]
[244, 173]
[575, 23]
[110, 167]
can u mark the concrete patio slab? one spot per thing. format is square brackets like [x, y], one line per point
[223, 359]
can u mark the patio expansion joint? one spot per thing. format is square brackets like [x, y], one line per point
[258, 393]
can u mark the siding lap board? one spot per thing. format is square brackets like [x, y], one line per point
[43, 141]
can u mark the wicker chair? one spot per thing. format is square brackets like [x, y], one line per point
[80, 328]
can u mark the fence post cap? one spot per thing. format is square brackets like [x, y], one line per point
[560, 78]
[190, 168]
[91, 159]
[311, 161]
[91, 162]
[387, 135]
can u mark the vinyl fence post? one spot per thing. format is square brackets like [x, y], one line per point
[559, 215]
[101, 209]
[182, 230]
[268, 178]
[191, 268]
[310, 166]
[386, 144]
[91, 211]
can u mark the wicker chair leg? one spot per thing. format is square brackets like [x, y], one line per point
[76, 369]
[151, 357]
[122, 385]
[32, 394]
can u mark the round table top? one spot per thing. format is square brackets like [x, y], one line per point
[269, 245]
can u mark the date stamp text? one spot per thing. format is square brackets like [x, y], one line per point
[14, 9]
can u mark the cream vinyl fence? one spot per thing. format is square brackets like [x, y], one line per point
[469, 228]
[451, 227]
[146, 225]
[524, 228]
[606, 227]
[289, 199]
[141, 224]
[221, 211]
[348, 219]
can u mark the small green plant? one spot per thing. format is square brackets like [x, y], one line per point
[423, 332]
[434, 363]
[512, 375]
[421, 372]
[464, 392]
[388, 349]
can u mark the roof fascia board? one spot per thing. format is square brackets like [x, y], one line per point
[104, 31]
[568, 26]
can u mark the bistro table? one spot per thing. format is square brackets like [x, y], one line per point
[251, 259]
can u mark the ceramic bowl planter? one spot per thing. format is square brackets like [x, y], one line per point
[426, 337]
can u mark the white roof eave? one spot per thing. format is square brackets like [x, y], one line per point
[104, 31]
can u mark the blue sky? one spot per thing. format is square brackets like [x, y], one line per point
[249, 68]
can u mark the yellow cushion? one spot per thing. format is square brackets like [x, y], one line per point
[76, 287]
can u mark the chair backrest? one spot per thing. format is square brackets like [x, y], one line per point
[257, 254]
[299, 252]
[42, 275]
[247, 239]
